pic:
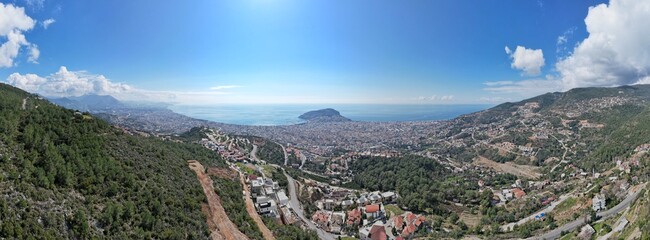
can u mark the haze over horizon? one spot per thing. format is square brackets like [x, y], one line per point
[322, 52]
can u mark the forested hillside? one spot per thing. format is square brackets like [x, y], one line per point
[64, 174]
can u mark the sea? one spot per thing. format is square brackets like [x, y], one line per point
[287, 114]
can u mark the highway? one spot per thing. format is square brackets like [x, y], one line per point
[556, 233]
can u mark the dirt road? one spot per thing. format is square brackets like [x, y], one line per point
[250, 207]
[220, 225]
[525, 171]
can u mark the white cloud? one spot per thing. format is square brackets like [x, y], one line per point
[617, 50]
[35, 4]
[498, 83]
[530, 61]
[224, 87]
[13, 22]
[34, 53]
[434, 98]
[47, 23]
[529, 87]
[496, 99]
[66, 83]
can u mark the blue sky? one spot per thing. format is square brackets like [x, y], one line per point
[281, 51]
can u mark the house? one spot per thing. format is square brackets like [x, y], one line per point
[378, 232]
[329, 204]
[336, 221]
[321, 218]
[374, 197]
[346, 204]
[518, 193]
[283, 200]
[598, 202]
[412, 223]
[257, 186]
[373, 211]
[389, 197]
[398, 222]
[267, 207]
[354, 217]
[363, 201]
[586, 232]
[286, 216]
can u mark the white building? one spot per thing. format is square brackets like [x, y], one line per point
[598, 202]
[282, 198]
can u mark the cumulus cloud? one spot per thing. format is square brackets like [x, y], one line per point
[47, 23]
[530, 61]
[617, 50]
[13, 22]
[66, 83]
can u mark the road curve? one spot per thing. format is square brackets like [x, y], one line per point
[295, 205]
[556, 233]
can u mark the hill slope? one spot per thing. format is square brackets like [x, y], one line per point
[588, 127]
[68, 175]
[324, 115]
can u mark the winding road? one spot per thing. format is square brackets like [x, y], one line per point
[556, 233]
[297, 208]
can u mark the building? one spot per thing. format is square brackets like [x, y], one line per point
[346, 204]
[373, 211]
[598, 202]
[329, 204]
[518, 193]
[354, 217]
[363, 201]
[283, 200]
[267, 207]
[389, 197]
[321, 218]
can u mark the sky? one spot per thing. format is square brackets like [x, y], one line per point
[322, 51]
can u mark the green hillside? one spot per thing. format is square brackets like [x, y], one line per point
[64, 174]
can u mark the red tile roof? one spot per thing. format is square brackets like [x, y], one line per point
[354, 216]
[372, 208]
[378, 232]
[518, 193]
[399, 222]
[410, 217]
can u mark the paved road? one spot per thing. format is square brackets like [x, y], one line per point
[510, 226]
[286, 157]
[295, 205]
[556, 233]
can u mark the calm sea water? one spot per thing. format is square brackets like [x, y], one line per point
[288, 114]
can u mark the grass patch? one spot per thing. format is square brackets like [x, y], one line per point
[348, 238]
[393, 209]
[566, 205]
[246, 169]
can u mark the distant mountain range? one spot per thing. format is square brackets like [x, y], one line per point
[89, 103]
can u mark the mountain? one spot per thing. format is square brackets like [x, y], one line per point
[90, 103]
[66, 175]
[324, 115]
[586, 127]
